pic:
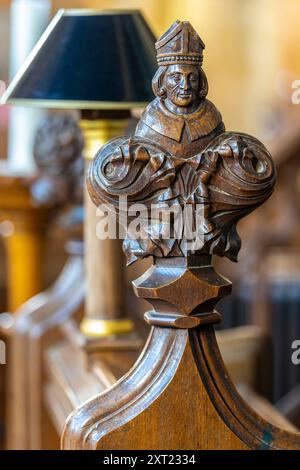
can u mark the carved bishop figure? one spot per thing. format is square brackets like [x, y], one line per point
[181, 160]
[181, 119]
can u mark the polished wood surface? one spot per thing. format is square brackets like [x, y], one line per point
[69, 382]
[36, 326]
[173, 378]
[165, 409]
[255, 431]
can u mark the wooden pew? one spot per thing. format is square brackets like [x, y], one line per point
[50, 198]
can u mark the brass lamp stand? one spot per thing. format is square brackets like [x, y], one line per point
[105, 315]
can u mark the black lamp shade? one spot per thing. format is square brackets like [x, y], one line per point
[89, 59]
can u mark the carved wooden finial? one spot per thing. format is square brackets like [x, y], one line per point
[179, 161]
[190, 181]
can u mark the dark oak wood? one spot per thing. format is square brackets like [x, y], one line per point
[179, 394]
[36, 326]
[153, 410]
[256, 432]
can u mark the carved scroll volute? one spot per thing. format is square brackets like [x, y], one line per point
[180, 159]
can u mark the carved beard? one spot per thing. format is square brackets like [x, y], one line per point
[180, 97]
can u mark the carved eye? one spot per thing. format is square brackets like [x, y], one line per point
[193, 78]
[176, 78]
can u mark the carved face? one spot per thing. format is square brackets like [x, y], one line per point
[182, 84]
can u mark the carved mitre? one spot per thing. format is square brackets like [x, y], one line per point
[186, 180]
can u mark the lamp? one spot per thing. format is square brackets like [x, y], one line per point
[89, 60]
[101, 63]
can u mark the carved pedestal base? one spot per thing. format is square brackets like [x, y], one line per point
[179, 394]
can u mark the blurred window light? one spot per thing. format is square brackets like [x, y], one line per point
[6, 320]
[6, 228]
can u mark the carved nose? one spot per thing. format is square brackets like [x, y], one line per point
[184, 84]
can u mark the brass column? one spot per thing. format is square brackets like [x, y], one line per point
[104, 309]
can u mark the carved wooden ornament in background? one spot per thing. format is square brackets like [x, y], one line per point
[58, 151]
[179, 158]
